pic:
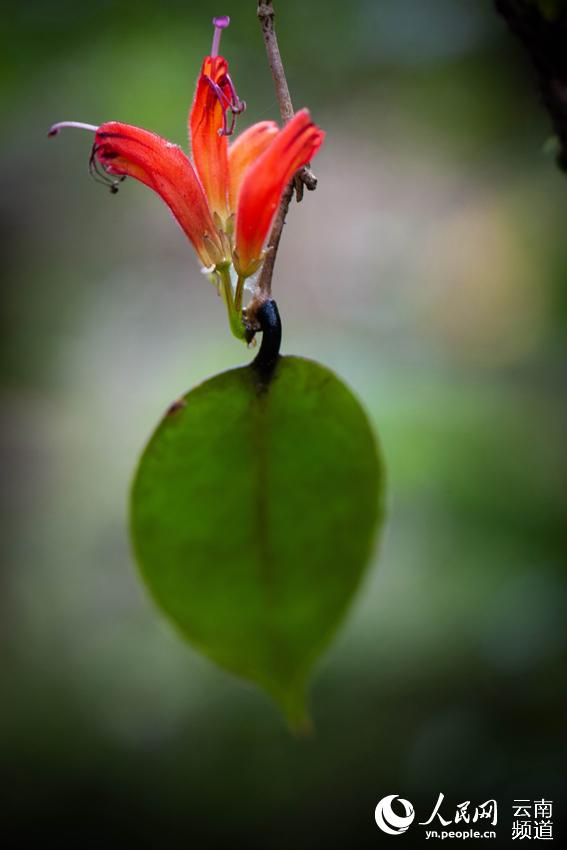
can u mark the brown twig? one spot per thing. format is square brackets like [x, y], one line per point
[542, 28]
[304, 177]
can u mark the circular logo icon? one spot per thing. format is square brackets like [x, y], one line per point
[388, 820]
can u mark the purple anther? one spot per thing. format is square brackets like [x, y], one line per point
[220, 23]
[100, 171]
[237, 106]
[76, 124]
[233, 103]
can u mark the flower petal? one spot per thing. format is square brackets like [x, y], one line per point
[207, 121]
[124, 149]
[264, 183]
[244, 151]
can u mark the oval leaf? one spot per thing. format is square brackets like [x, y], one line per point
[254, 509]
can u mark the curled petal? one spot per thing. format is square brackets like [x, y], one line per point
[244, 151]
[207, 126]
[123, 149]
[264, 183]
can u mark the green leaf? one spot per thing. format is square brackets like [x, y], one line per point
[254, 510]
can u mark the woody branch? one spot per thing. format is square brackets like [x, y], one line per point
[304, 177]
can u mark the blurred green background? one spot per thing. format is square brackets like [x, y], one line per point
[429, 269]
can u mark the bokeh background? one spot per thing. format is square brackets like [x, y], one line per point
[430, 270]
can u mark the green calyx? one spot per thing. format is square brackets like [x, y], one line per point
[233, 299]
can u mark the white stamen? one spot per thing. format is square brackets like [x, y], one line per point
[76, 124]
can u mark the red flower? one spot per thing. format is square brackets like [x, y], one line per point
[226, 200]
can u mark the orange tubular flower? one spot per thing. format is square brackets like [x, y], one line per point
[263, 184]
[244, 180]
[208, 131]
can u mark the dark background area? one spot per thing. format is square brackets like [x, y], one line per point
[429, 270]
